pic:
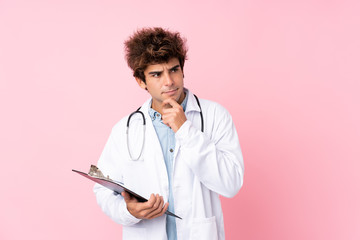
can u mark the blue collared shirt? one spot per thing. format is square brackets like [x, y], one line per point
[167, 141]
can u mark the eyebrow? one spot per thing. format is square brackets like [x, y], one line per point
[155, 72]
[158, 72]
[174, 67]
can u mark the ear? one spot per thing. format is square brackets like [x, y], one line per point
[141, 83]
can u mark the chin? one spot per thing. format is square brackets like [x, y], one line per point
[177, 98]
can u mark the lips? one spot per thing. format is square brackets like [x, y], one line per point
[171, 91]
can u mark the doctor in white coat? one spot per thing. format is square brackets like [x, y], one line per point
[205, 164]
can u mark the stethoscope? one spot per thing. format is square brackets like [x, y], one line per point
[144, 127]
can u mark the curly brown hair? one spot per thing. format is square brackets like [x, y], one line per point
[153, 46]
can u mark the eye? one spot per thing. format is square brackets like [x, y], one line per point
[174, 70]
[156, 75]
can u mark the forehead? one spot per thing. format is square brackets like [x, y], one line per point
[162, 66]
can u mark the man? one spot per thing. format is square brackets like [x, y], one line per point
[186, 157]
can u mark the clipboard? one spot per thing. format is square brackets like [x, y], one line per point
[117, 187]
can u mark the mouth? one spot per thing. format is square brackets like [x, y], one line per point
[171, 92]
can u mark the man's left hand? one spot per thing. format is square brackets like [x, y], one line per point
[173, 114]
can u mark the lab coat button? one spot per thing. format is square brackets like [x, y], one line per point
[171, 150]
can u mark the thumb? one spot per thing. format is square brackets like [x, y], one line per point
[126, 196]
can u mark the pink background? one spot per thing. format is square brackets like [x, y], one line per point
[288, 71]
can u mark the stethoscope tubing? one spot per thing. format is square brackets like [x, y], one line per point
[144, 127]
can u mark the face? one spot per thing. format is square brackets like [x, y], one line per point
[164, 80]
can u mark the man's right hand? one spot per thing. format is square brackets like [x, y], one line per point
[153, 208]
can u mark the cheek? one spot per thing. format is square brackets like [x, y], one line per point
[179, 78]
[154, 88]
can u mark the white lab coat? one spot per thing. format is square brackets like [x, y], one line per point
[205, 165]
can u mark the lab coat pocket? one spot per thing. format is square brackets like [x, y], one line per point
[134, 233]
[204, 229]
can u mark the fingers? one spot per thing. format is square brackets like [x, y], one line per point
[154, 207]
[171, 102]
[162, 212]
[151, 202]
[174, 117]
[171, 106]
[158, 206]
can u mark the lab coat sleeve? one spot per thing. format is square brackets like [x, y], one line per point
[214, 156]
[111, 203]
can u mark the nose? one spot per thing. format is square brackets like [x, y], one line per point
[168, 81]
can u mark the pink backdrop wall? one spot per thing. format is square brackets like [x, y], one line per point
[288, 71]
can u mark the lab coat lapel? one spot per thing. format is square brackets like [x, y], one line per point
[152, 149]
